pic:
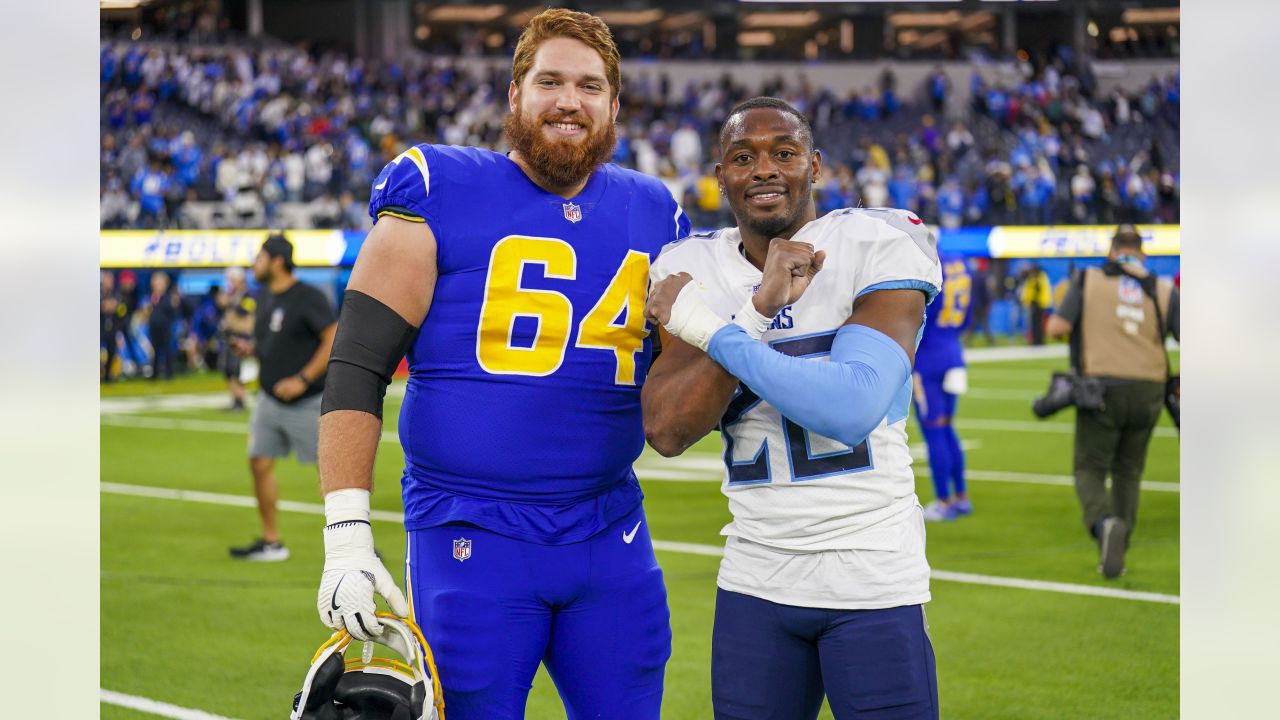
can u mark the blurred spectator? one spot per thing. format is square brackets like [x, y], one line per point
[1082, 194]
[149, 187]
[162, 310]
[115, 204]
[1036, 297]
[238, 308]
[982, 292]
[110, 314]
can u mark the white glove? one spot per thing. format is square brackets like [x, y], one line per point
[352, 572]
[693, 322]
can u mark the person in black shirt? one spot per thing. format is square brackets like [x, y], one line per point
[292, 333]
[165, 308]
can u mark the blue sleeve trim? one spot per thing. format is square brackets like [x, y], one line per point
[844, 399]
[929, 289]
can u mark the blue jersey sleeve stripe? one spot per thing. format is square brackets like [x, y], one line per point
[929, 289]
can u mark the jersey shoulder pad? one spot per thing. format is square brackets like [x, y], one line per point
[404, 188]
[415, 184]
[904, 221]
[684, 254]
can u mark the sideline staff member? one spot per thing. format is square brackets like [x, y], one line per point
[1117, 335]
[293, 332]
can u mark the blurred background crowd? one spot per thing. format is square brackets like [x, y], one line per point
[204, 126]
[232, 114]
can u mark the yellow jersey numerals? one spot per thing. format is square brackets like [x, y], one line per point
[505, 300]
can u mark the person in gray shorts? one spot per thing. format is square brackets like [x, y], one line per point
[292, 333]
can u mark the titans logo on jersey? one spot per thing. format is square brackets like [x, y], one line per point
[523, 399]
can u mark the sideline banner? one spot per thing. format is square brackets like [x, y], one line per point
[214, 248]
[336, 248]
[1065, 241]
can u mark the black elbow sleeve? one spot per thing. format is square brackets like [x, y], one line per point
[370, 340]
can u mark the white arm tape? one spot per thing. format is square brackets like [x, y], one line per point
[691, 320]
[749, 319]
[346, 504]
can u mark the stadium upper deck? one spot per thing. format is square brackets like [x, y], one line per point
[225, 129]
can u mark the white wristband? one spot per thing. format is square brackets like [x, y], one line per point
[345, 505]
[750, 319]
[691, 320]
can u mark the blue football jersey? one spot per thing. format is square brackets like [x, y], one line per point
[945, 320]
[522, 413]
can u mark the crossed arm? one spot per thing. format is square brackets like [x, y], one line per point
[688, 390]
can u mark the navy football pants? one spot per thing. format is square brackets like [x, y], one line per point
[774, 662]
[594, 612]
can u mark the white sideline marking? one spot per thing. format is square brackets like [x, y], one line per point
[1040, 426]
[681, 469]
[214, 426]
[681, 547]
[156, 423]
[1046, 586]
[986, 393]
[691, 469]
[1031, 352]
[1019, 352]
[202, 401]
[192, 401]
[920, 451]
[155, 707]
[657, 474]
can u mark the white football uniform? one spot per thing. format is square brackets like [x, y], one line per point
[817, 523]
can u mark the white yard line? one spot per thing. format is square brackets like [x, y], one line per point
[202, 401]
[1038, 426]
[1016, 352]
[657, 473]
[649, 467]
[681, 547]
[127, 419]
[155, 707]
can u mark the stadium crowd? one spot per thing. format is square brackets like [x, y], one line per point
[269, 135]
[150, 329]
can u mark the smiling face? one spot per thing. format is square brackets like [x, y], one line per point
[767, 169]
[562, 113]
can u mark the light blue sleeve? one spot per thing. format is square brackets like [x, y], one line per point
[844, 399]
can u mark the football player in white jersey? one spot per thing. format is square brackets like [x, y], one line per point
[795, 336]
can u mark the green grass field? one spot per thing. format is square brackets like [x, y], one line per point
[185, 625]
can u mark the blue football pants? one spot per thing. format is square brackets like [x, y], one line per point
[594, 612]
[775, 662]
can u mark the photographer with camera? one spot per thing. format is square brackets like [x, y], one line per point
[1117, 317]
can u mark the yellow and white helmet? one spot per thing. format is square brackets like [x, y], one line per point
[370, 687]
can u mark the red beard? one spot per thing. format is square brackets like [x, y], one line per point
[559, 164]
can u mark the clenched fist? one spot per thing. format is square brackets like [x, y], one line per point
[788, 269]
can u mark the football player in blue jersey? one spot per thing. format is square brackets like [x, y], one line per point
[516, 284]
[938, 381]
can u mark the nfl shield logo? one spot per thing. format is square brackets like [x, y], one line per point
[1131, 291]
[572, 213]
[461, 549]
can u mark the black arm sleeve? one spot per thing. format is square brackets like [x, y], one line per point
[369, 343]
